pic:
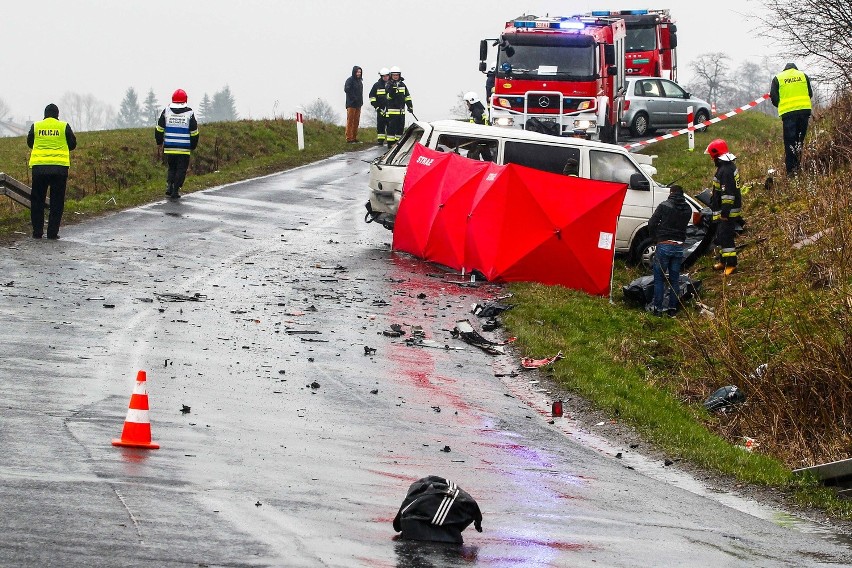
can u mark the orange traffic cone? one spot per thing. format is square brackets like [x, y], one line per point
[137, 426]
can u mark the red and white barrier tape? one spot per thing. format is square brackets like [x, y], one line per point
[729, 114]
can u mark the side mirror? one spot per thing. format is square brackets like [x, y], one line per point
[482, 67]
[609, 54]
[673, 39]
[639, 182]
[483, 50]
[612, 70]
[687, 95]
[510, 51]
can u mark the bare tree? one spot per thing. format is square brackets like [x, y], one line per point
[711, 75]
[368, 117]
[459, 110]
[819, 31]
[322, 111]
[4, 109]
[85, 112]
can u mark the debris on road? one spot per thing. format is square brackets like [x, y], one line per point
[302, 332]
[446, 449]
[369, 350]
[394, 331]
[491, 324]
[490, 309]
[314, 385]
[374, 391]
[530, 363]
[168, 297]
[184, 409]
[464, 330]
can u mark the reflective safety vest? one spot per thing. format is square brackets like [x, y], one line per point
[176, 139]
[50, 147]
[792, 91]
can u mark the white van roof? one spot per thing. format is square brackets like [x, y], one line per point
[469, 128]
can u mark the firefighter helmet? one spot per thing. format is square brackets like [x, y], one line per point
[384, 71]
[395, 69]
[179, 96]
[717, 148]
[471, 98]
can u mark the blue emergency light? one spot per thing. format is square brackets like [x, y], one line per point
[567, 25]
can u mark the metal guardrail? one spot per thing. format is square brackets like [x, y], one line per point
[17, 191]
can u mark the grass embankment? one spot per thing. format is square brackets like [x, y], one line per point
[787, 307]
[122, 164]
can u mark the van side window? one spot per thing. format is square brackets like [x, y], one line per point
[484, 149]
[611, 166]
[401, 154]
[543, 157]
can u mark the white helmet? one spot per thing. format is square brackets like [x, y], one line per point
[395, 69]
[470, 97]
[384, 71]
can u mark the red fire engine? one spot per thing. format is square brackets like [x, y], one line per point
[651, 42]
[559, 75]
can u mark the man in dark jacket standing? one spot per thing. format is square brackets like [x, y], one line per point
[791, 92]
[668, 229]
[51, 141]
[379, 101]
[726, 203]
[354, 89]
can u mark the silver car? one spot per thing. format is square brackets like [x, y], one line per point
[651, 103]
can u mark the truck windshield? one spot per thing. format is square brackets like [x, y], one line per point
[642, 38]
[554, 61]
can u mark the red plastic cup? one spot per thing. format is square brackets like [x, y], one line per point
[556, 408]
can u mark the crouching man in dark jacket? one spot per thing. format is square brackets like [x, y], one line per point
[668, 229]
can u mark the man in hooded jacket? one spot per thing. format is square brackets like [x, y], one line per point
[668, 229]
[354, 89]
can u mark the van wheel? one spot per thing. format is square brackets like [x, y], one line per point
[639, 126]
[642, 252]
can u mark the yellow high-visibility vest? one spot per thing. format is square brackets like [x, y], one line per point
[792, 91]
[50, 147]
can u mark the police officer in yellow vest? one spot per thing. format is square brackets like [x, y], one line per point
[51, 141]
[791, 93]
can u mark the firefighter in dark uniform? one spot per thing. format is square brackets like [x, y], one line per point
[379, 100]
[726, 203]
[791, 92]
[478, 114]
[398, 99]
[51, 141]
[176, 134]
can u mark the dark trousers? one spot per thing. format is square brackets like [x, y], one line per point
[725, 235]
[795, 128]
[381, 126]
[396, 124]
[178, 164]
[667, 261]
[41, 183]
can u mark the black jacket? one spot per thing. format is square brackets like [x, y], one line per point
[378, 95]
[726, 190]
[436, 509]
[478, 114]
[669, 221]
[354, 89]
[398, 95]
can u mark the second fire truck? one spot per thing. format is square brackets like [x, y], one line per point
[562, 75]
[651, 42]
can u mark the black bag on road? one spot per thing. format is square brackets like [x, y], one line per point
[436, 509]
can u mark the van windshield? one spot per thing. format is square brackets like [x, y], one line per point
[401, 154]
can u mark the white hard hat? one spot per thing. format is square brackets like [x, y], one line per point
[384, 71]
[395, 69]
[471, 97]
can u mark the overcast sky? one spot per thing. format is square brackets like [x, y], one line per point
[282, 54]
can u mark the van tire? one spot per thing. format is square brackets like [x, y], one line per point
[640, 124]
[643, 249]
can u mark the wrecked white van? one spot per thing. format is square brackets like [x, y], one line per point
[593, 160]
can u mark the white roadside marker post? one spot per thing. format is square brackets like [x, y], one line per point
[690, 124]
[300, 130]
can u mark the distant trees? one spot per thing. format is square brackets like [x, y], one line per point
[85, 112]
[711, 75]
[459, 110]
[151, 110]
[203, 110]
[130, 111]
[817, 30]
[222, 107]
[715, 81]
[322, 111]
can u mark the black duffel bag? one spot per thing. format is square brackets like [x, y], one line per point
[436, 509]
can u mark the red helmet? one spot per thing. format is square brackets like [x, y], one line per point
[179, 96]
[717, 148]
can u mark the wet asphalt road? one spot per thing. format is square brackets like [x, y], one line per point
[265, 470]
